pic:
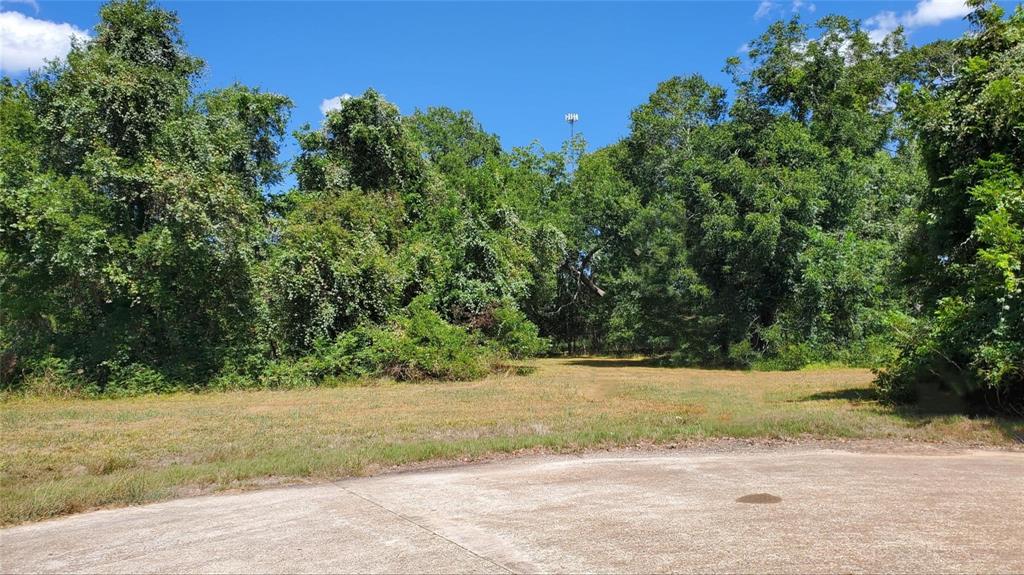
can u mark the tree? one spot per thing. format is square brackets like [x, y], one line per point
[365, 144]
[965, 264]
[331, 268]
[454, 238]
[128, 244]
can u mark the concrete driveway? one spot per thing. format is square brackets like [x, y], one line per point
[799, 509]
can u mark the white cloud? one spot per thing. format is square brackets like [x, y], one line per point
[881, 25]
[27, 42]
[763, 9]
[333, 103]
[926, 13]
[932, 12]
[768, 7]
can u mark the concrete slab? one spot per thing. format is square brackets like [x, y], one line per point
[812, 510]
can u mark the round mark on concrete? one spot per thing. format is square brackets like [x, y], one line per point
[759, 498]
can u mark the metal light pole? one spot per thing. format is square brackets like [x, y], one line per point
[572, 119]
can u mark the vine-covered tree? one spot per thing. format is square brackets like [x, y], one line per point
[965, 257]
[132, 215]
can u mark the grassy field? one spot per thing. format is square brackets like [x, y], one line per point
[64, 456]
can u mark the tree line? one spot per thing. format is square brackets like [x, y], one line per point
[843, 200]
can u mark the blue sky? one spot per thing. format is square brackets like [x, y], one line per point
[518, 66]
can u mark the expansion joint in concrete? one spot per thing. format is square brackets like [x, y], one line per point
[427, 529]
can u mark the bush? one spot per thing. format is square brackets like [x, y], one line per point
[870, 352]
[742, 355]
[53, 377]
[513, 333]
[421, 344]
[135, 379]
[349, 356]
[947, 352]
[790, 357]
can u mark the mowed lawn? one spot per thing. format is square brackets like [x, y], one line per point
[64, 456]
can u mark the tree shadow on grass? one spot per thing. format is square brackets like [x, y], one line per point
[935, 405]
[1011, 428]
[618, 362]
[930, 406]
[854, 395]
[658, 362]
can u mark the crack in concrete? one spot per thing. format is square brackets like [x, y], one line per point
[425, 528]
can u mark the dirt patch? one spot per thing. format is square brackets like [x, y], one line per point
[759, 498]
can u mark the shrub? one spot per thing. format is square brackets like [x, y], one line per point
[421, 344]
[742, 355]
[791, 356]
[948, 352]
[135, 379]
[513, 333]
[54, 377]
[350, 355]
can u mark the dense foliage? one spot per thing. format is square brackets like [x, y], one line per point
[964, 263]
[846, 200]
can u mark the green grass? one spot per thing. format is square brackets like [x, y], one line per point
[63, 456]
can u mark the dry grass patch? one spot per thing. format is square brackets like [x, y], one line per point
[61, 456]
